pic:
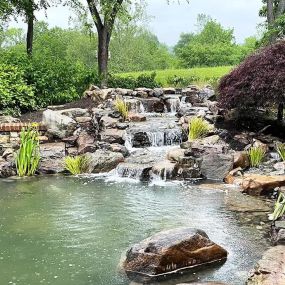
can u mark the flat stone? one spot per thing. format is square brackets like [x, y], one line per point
[134, 117]
[82, 120]
[113, 136]
[52, 150]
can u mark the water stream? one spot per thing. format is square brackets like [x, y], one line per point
[72, 231]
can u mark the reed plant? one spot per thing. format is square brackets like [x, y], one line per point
[77, 165]
[198, 128]
[28, 156]
[256, 156]
[280, 147]
[122, 107]
[279, 209]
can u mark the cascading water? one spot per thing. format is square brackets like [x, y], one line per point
[173, 105]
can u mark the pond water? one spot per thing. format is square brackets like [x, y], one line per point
[73, 231]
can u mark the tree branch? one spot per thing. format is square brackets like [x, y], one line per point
[95, 14]
[109, 21]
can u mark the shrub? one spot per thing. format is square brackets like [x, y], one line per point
[198, 128]
[279, 209]
[147, 80]
[258, 82]
[28, 155]
[15, 94]
[256, 156]
[77, 165]
[122, 107]
[280, 147]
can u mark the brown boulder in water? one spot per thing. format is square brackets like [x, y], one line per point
[171, 251]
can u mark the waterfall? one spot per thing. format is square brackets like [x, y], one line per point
[174, 105]
[156, 138]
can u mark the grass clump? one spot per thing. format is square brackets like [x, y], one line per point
[122, 107]
[77, 165]
[198, 128]
[280, 147]
[256, 156]
[28, 155]
[279, 209]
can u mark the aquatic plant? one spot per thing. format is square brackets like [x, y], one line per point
[280, 147]
[122, 107]
[279, 208]
[77, 165]
[28, 156]
[198, 128]
[256, 156]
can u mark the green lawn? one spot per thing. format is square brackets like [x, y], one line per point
[201, 75]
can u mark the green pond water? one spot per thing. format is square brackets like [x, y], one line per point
[73, 231]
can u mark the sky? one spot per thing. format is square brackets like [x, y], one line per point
[170, 20]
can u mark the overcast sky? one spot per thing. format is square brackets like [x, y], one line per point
[171, 20]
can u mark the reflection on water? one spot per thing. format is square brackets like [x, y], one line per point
[72, 231]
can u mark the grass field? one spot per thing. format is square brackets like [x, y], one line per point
[198, 76]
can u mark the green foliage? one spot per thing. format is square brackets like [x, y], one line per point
[279, 208]
[77, 165]
[15, 94]
[256, 156]
[280, 147]
[166, 78]
[212, 45]
[122, 107]
[198, 128]
[28, 156]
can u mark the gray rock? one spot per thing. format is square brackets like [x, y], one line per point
[104, 161]
[165, 169]
[85, 143]
[113, 136]
[8, 119]
[6, 169]
[216, 166]
[58, 125]
[74, 112]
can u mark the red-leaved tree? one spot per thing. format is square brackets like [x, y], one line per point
[258, 82]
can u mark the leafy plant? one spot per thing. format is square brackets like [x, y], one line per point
[77, 165]
[256, 156]
[279, 209]
[280, 147]
[198, 128]
[28, 155]
[122, 107]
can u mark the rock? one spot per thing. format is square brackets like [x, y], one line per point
[238, 202]
[82, 120]
[153, 105]
[216, 166]
[74, 112]
[176, 154]
[113, 136]
[85, 143]
[203, 283]
[58, 125]
[135, 117]
[256, 185]
[107, 122]
[123, 92]
[207, 93]
[8, 119]
[270, 270]
[104, 160]
[52, 155]
[4, 139]
[241, 160]
[165, 169]
[169, 252]
[70, 140]
[158, 92]
[169, 90]
[6, 169]
[133, 170]
[114, 148]
[280, 167]
[99, 95]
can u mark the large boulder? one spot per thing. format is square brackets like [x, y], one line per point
[165, 169]
[113, 136]
[58, 125]
[52, 155]
[171, 251]
[104, 160]
[6, 169]
[134, 170]
[270, 270]
[85, 143]
[216, 166]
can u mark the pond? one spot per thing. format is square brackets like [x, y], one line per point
[73, 231]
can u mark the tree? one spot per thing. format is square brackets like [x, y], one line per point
[258, 82]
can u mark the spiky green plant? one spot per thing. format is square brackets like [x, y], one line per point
[77, 165]
[122, 107]
[280, 147]
[198, 128]
[256, 156]
[28, 155]
[279, 209]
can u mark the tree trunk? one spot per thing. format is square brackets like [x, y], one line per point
[103, 54]
[280, 112]
[30, 34]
